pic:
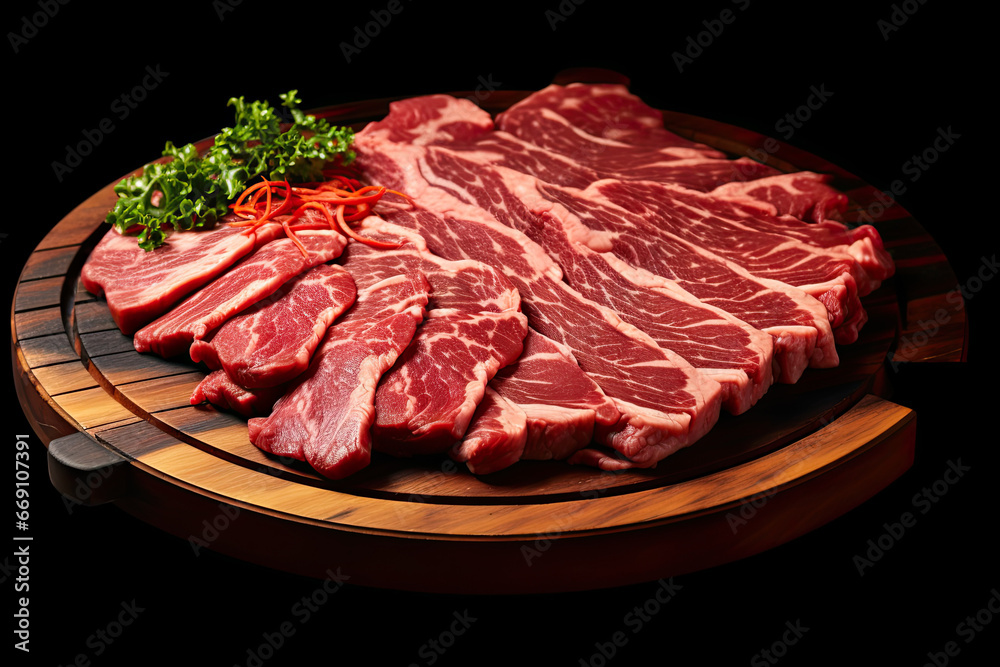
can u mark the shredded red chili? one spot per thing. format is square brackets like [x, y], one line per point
[341, 199]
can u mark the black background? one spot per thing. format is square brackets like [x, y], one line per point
[889, 98]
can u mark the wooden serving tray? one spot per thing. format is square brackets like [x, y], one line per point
[119, 428]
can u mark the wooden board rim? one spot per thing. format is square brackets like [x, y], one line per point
[535, 519]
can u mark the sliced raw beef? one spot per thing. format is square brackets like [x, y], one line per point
[253, 279]
[496, 437]
[549, 403]
[560, 153]
[141, 285]
[802, 337]
[506, 150]
[443, 382]
[548, 130]
[588, 159]
[784, 195]
[729, 350]
[702, 175]
[219, 390]
[801, 194]
[604, 110]
[464, 285]
[665, 403]
[564, 408]
[804, 195]
[327, 414]
[683, 166]
[425, 402]
[432, 119]
[273, 341]
[664, 211]
[797, 322]
[829, 274]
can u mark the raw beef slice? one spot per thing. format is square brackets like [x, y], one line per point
[327, 414]
[273, 341]
[256, 277]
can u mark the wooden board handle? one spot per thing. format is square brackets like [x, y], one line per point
[85, 471]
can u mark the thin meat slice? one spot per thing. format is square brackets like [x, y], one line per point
[544, 372]
[731, 351]
[583, 166]
[702, 174]
[828, 274]
[218, 389]
[506, 150]
[547, 129]
[805, 195]
[537, 120]
[789, 201]
[253, 279]
[665, 403]
[431, 119]
[426, 401]
[496, 437]
[327, 414]
[141, 285]
[273, 341]
[683, 166]
[799, 324]
[604, 110]
[801, 194]
[553, 406]
[465, 286]
[555, 151]
[563, 407]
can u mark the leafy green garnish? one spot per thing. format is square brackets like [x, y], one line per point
[191, 191]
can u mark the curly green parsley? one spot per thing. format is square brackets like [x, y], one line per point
[192, 191]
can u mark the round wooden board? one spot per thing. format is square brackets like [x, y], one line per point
[120, 428]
